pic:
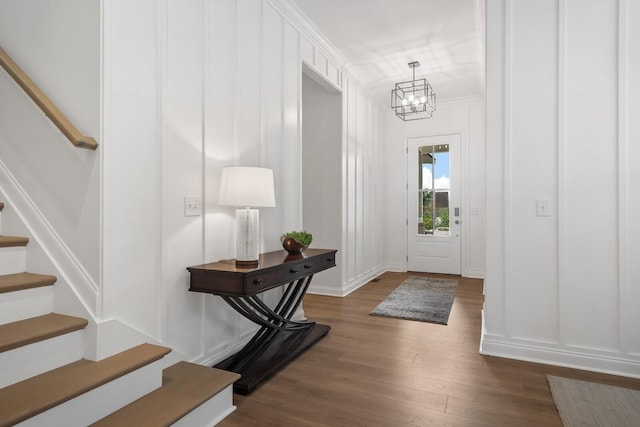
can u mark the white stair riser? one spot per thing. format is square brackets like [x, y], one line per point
[34, 359]
[100, 402]
[210, 412]
[24, 304]
[13, 260]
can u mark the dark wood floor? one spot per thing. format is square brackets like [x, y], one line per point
[377, 371]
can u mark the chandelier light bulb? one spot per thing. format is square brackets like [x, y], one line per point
[405, 101]
[423, 99]
[411, 98]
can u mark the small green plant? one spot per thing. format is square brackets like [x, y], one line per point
[301, 237]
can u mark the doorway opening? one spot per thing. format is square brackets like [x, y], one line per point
[322, 171]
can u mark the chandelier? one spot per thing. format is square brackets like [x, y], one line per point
[413, 100]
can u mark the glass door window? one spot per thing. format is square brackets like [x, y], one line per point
[434, 186]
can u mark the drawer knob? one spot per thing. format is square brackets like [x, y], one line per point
[293, 271]
[258, 281]
[330, 259]
[308, 266]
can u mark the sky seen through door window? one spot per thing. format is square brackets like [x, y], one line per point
[442, 177]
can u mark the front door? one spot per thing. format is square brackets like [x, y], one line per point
[433, 197]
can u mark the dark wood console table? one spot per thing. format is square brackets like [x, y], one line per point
[279, 338]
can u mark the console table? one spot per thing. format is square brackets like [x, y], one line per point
[279, 339]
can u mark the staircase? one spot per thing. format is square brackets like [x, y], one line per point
[45, 381]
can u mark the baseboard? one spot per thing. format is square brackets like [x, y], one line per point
[559, 355]
[474, 273]
[397, 267]
[224, 350]
[362, 280]
[348, 287]
[324, 290]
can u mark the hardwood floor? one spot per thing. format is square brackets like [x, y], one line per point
[377, 371]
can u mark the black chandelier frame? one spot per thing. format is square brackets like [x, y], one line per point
[414, 99]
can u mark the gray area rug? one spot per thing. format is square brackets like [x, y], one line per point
[583, 404]
[420, 298]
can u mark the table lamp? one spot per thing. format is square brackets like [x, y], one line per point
[247, 188]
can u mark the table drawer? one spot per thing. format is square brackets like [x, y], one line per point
[276, 277]
[275, 269]
[261, 282]
[288, 272]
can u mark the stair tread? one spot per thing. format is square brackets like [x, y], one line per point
[28, 331]
[22, 281]
[185, 387]
[11, 241]
[35, 395]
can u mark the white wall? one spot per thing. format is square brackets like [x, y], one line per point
[133, 165]
[563, 289]
[173, 91]
[363, 162]
[466, 119]
[190, 87]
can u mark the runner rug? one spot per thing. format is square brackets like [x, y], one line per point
[420, 298]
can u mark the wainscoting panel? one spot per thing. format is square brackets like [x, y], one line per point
[558, 287]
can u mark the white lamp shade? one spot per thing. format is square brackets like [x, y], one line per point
[244, 186]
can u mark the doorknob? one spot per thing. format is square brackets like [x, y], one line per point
[457, 221]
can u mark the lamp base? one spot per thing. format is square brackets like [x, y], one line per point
[247, 237]
[247, 264]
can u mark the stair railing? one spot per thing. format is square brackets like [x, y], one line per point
[45, 104]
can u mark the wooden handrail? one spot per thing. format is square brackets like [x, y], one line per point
[45, 104]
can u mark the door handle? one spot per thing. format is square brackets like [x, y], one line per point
[457, 221]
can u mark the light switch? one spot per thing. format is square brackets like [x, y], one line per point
[192, 206]
[542, 207]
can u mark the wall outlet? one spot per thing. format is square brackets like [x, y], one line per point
[192, 206]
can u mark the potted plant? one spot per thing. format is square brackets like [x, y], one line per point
[295, 242]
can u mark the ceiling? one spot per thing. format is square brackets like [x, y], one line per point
[378, 38]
